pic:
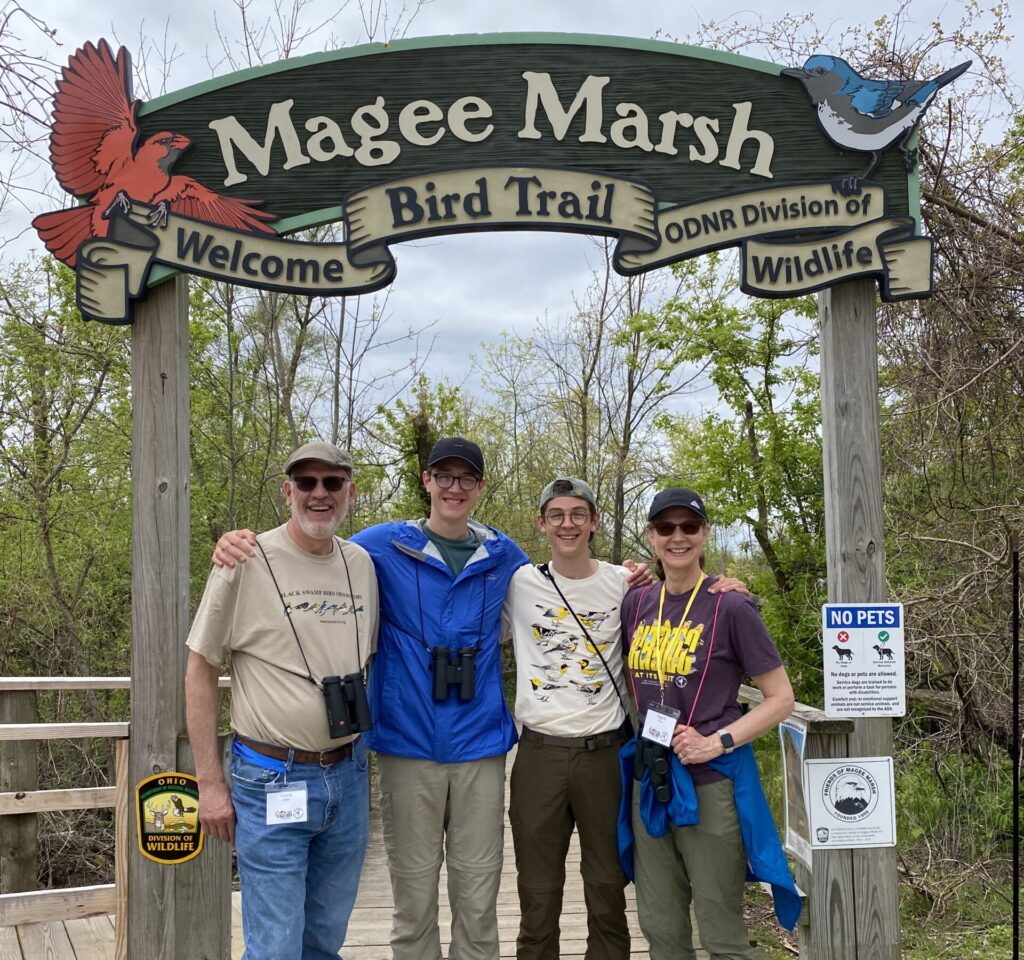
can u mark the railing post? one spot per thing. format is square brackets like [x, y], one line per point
[18, 771]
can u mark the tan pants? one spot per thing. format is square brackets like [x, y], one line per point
[435, 812]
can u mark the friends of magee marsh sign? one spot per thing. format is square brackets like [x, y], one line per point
[672, 150]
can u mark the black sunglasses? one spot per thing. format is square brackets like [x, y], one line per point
[332, 484]
[664, 528]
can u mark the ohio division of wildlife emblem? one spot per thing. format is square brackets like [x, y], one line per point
[167, 811]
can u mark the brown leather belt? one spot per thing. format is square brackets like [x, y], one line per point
[595, 742]
[325, 758]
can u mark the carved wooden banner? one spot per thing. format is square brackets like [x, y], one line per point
[674, 151]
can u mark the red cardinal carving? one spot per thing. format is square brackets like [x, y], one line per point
[93, 152]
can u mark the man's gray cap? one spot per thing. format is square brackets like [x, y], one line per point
[567, 487]
[321, 452]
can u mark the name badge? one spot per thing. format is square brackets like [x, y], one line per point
[286, 803]
[660, 724]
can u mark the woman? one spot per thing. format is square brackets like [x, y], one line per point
[687, 652]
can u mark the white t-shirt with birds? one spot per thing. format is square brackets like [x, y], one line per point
[562, 688]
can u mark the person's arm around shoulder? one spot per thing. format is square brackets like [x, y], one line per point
[202, 703]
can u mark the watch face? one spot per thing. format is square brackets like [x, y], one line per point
[727, 740]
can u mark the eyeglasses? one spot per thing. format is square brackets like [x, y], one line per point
[332, 483]
[557, 517]
[467, 481]
[663, 528]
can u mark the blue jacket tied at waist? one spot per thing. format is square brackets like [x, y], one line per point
[765, 860]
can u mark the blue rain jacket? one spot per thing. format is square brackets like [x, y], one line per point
[765, 860]
[424, 605]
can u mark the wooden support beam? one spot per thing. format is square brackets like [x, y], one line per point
[60, 731]
[42, 906]
[18, 834]
[42, 801]
[857, 904]
[174, 912]
[78, 683]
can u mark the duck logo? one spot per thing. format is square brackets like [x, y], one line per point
[167, 814]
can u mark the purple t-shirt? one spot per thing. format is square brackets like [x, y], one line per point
[741, 648]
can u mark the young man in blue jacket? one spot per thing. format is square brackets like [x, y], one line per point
[442, 728]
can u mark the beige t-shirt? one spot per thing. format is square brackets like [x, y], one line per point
[241, 612]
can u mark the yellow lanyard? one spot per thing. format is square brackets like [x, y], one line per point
[657, 643]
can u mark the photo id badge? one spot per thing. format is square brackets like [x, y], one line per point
[286, 802]
[660, 723]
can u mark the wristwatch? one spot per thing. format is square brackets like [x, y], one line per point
[727, 741]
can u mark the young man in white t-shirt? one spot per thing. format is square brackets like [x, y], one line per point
[571, 701]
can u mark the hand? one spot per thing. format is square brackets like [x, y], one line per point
[216, 811]
[639, 573]
[234, 545]
[691, 747]
[729, 585]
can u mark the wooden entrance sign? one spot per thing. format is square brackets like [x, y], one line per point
[672, 151]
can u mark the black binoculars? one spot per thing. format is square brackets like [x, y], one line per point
[456, 667]
[348, 711]
[654, 758]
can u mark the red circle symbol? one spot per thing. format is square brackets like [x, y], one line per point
[842, 636]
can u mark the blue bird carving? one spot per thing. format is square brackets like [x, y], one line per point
[868, 115]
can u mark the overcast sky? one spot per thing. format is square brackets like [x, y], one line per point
[475, 285]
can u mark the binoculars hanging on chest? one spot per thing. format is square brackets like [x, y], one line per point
[348, 711]
[454, 668]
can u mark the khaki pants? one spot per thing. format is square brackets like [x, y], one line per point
[707, 864]
[433, 812]
[553, 789]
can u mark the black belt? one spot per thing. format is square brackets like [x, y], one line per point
[325, 758]
[594, 742]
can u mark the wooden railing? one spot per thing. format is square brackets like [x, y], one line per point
[22, 803]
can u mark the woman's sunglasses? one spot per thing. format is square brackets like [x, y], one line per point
[663, 528]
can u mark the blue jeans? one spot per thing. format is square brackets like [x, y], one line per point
[299, 880]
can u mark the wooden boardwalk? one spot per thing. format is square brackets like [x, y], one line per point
[93, 938]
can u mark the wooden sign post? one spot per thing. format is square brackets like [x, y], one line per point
[858, 887]
[180, 912]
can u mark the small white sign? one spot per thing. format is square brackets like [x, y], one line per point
[864, 660]
[851, 802]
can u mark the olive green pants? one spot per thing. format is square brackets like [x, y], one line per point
[552, 790]
[705, 864]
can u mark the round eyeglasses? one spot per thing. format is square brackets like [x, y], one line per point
[576, 517]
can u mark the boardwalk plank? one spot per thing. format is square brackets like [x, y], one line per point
[91, 937]
[46, 941]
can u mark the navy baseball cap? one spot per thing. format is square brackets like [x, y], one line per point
[458, 448]
[677, 497]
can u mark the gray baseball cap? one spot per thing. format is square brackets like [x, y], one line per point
[321, 452]
[567, 487]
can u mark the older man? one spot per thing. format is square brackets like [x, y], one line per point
[304, 609]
